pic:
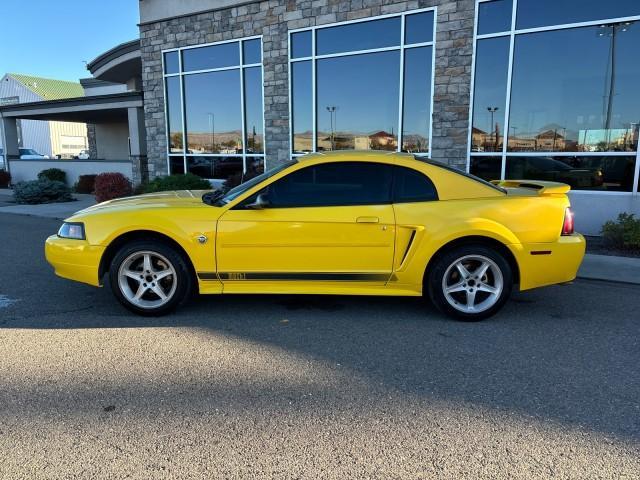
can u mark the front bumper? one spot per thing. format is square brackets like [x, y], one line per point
[74, 259]
[544, 264]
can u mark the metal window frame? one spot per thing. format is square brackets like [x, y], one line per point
[181, 74]
[402, 47]
[504, 152]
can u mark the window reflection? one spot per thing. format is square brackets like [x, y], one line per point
[360, 111]
[575, 90]
[418, 28]
[174, 115]
[176, 165]
[301, 44]
[214, 56]
[251, 51]
[490, 94]
[539, 13]
[417, 100]
[171, 62]
[213, 112]
[613, 173]
[301, 107]
[255, 167]
[358, 36]
[254, 143]
[219, 168]
[487, 168]
[494, 16]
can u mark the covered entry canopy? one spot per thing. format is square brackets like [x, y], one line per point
[92, 109]
[121, 110]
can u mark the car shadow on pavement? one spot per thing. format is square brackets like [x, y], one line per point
[542, 357]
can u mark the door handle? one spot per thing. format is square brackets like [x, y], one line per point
[367, 219]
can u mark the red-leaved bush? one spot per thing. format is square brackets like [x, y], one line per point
[5, 179]
[111, 185]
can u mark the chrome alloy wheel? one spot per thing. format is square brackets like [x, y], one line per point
[147, 279]
[472, 284]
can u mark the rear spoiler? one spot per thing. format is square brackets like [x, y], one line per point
[542, 187]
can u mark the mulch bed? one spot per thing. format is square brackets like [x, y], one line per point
[598, 246]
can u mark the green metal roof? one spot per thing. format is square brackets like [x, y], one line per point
[49, 89]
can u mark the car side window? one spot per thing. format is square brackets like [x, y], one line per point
[333, 184]
[412, 186]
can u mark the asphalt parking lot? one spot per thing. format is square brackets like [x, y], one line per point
[311, 387]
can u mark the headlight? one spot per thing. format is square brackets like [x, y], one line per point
[72, 230]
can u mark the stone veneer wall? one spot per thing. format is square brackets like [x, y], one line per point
[273, 19]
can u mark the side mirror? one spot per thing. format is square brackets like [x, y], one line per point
[262, 202]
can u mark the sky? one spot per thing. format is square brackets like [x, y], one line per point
[53, 38]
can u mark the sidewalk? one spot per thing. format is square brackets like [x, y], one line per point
[48, 210]
[610, 268]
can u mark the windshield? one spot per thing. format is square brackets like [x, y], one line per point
[28, 151]
[243, 187]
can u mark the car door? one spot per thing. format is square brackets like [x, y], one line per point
[323, 223]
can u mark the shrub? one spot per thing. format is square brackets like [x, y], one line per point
[85, 184]
[5, 179]
[111, 185]
[53, 174]
[41, 191]
[188, 181]
[623, 233]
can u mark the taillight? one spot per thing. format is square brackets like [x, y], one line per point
[568, 224]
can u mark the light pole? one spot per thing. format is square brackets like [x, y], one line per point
[211, 129]
[615, 27]
[332, 112]
[492, 110]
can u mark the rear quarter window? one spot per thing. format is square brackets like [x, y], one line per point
[412, 186]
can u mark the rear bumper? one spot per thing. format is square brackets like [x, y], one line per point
[74, 259]
[544, 264]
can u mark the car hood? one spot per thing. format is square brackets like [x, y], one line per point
[174, 199]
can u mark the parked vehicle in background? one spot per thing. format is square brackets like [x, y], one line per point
[31, 154]
[83, 155]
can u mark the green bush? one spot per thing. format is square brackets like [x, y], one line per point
[85, 183]
[41, 191]
[623, 233]
[188, 181]
[53, 174]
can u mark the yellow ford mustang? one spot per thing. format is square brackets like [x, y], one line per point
[355, 223]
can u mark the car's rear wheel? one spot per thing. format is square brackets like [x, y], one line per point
[150, 278]
[470, 282]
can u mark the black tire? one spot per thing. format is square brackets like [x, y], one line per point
[184, 281]
[447, 260]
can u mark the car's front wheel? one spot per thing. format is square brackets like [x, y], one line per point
[149, 278]
[470, 282]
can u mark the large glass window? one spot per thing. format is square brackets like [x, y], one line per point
[540, 13]
[361, 108]
[365, 87]
[564, 100]
[214, 107]
[490, 94]
[333, 184]
[570, 110]
[174, 115]
[416, 119]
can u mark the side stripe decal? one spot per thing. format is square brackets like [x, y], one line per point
[346, 277]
